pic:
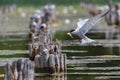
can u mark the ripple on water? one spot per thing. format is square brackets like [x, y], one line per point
[11, 52]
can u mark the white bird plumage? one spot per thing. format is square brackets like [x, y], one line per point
[83, 26]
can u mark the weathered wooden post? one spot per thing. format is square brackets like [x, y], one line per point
[65, 62]
[37, 63]
[30, 51]
[28, 70]
[14, 69]
[8, 72]
[50, 59]
[20, 66]
[57, 63]
[19, 70]
[44, 60]
[51, 63]
[61, 63]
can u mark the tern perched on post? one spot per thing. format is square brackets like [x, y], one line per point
[83, 26]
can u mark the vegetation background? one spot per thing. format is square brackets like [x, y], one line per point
[43, 2]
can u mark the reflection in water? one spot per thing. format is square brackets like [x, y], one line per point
[119, 50]
[53, 77]
[84, 62]
[110, 49]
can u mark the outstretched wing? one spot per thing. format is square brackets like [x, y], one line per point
[91, 22]
[80, 23]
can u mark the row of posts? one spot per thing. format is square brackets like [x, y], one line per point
[44, 54]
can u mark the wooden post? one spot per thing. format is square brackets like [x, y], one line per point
[51, 62]
[65, 62]
[8, 72]
[19, 70]
[61, 63]
[14, 69]
[28, 70]
[31, 68]
[37, 63]
[20, 75]
[31, 51]
[44, 62]
[57, 63]
[20, 66]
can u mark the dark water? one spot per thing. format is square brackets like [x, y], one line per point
[96, 64]
[83, 62]
[89, 63]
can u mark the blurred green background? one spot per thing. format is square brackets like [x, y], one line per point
[57, 2]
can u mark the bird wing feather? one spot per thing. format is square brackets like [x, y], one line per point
[91, 22]
[80, 23]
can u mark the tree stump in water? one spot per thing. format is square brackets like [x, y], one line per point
[47, 53]
[52, 63]
[19, 70]
[8, 72]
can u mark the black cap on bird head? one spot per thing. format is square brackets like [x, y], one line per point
[72, 30]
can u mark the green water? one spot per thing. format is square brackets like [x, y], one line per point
[83, 62]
